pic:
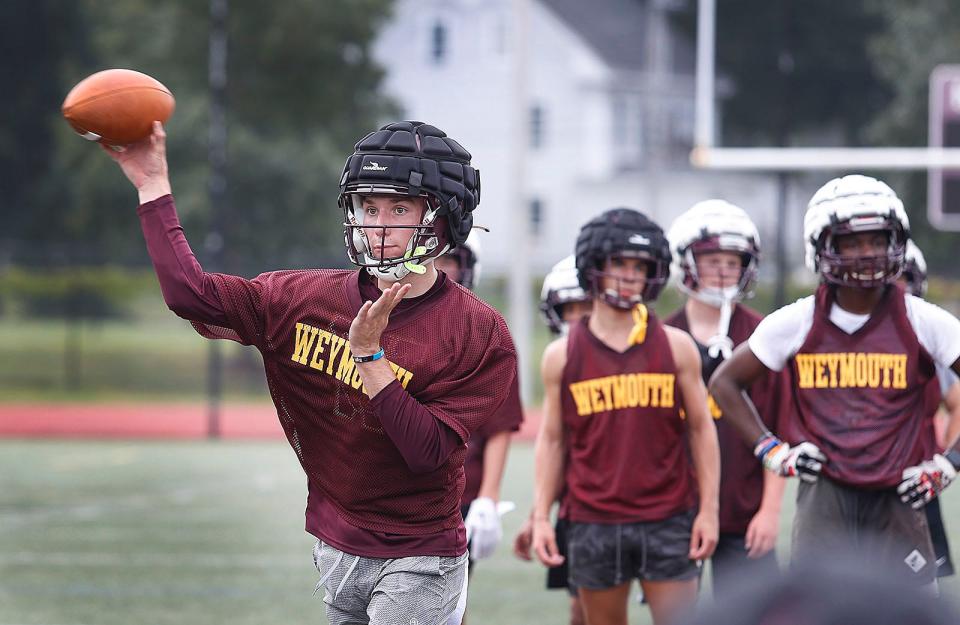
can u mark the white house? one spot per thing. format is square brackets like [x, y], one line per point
[607, 105]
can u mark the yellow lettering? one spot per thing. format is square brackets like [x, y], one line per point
[619, 384]
[322, 337]
[581, 395]
[303, 342]
[596, 396]
[714, 409]
[805, 370]
[347, 366]
[607, 385]
[900, 371]
[666, 398]
[336, 344]
[873, 378]
[633, 390]
[862, 372]
[820, 367]
[848, 370]
[833, 361]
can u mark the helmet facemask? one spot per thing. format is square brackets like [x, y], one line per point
[657, 274]
[862, 271]
[692, 283]
[427, 241]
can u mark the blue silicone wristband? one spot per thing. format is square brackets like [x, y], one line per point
[370, 358]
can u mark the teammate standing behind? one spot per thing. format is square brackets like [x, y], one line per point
[612, 434]
[946, 424]
[860, 354]
[716, 249]
[379, 376]
[562, 303]
[488, 447]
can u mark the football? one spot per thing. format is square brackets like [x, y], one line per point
[117, 106]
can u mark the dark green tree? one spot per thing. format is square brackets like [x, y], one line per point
[916, 38]
[798, 72]
[302, 88]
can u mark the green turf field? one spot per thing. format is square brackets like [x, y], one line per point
[114, 533]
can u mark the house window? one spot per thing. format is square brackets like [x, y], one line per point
[438, 42]
[537, 126]
[536, 216]
[627, 131]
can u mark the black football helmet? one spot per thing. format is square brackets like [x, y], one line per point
[413, 159]
[627, 233]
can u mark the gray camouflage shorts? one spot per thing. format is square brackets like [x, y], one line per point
[603, 556]
[418, 590]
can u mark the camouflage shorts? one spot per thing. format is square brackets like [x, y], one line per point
[425, 590]
[604, 556]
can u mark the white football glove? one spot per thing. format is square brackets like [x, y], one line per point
[804, 461]
[484, 530]
[923, 482]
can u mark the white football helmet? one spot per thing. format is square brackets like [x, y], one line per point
[714, 226]
[560, 287]
[915, 270]
[849, 205]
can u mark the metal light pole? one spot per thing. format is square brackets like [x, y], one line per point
[217, 186]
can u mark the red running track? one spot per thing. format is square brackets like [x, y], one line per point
[165, 421]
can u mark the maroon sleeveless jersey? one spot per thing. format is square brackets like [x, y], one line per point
[451, 352]
[627, 457]
[741, 475]
[864, 398]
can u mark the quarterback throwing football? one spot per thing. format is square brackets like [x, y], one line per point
[379, 376]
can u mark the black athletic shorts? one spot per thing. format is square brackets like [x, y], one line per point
[559, 576]
[603, 556]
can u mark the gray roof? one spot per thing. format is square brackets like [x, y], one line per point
[615, 29]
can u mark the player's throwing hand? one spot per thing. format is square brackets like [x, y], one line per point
[372, 319]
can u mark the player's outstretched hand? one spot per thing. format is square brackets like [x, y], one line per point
[484, 530]
[371, 320]
[923, 482]
[804, 461]
[523, 541]
[144, 162]
[704, 535]
[545, 543]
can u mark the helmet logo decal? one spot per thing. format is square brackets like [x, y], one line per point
[373, 166]
[639, 239]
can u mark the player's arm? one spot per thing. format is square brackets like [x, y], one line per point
[424, 441]
[187, 290]
[728, 386]
[549, 454]
[703, 442]
[764, 527]
[951, 402]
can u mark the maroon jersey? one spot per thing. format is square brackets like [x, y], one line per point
[864, 398]
[451, 352]
[741, 475]
[627, 459]
[508, 419]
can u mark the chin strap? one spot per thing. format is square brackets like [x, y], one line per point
[720, 343]
[639, 332]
